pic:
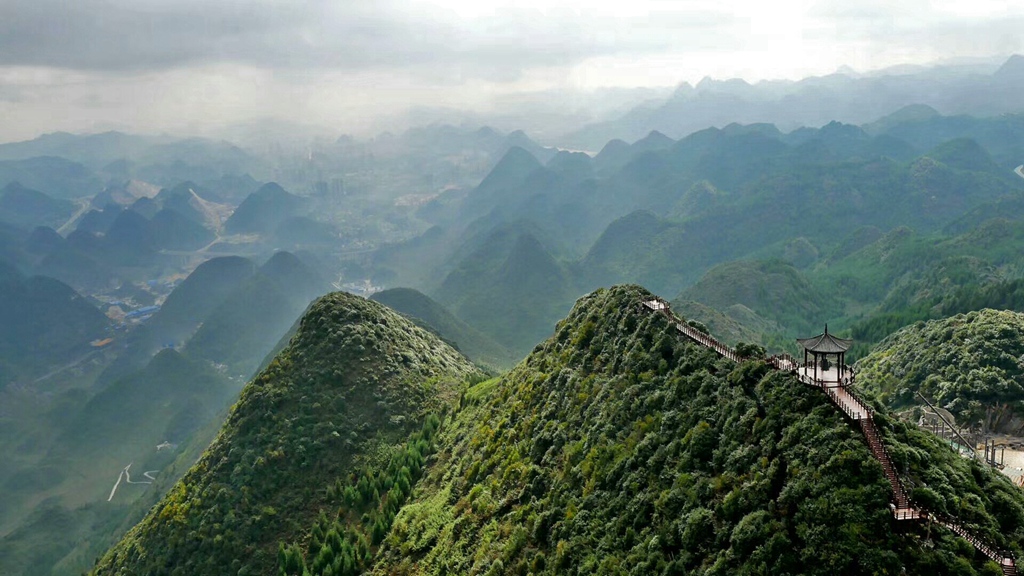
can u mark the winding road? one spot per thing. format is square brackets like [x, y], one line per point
[128, 479]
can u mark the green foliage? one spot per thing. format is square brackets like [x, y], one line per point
[263, 210]
[619, 448]
[232, 335]
[968, 363]
[476, 345]
[368, 505]
[772, 289]
[353, 384]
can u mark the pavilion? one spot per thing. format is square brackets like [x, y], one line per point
[821, 347]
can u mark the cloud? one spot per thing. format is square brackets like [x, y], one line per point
[129, 36]
[183, 65]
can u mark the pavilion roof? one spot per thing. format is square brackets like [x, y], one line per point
[825, 343]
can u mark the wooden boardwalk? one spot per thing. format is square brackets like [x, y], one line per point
[843, 397]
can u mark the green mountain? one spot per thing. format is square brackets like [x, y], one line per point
[198, 295]
[64, 261]
[63, 457]
[772, 289]
[155, 412]
[43, 322]
[232, 335]
[904, 277]
[146, 227]
[354, 389]
[616, 446]
[164, 402]
[502, 184]
[132, 193]
[509, 288]
[56, 177]
[969, 364]
[184, 311]
[188, 200]
[431, 315]
[170, 230]
[964, 154]
[99, 221]
[262, 211]
[28, 208]
[613, 156]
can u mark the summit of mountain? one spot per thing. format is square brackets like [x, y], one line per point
[42, 322]
[204, 289]
[906, 114]
[263, 211]
[27, 208]
[509, 287]
[815, 101]
[289, 270]
[519, 139]
[654, 141]
[514, 167]
[231, 335]
[424, 310]
[1012, 68]
[964, 154]
[357, 386]
[502, 184]
[572, 166]
[617, 442]
[189, 200]
[171, 230]
[613, 156]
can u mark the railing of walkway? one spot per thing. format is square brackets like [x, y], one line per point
[904, 507]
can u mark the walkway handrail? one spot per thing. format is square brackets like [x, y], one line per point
[967, 443]
[904, 507]
[994, 553]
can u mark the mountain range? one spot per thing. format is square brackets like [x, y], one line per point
[364, 448]
[814, 101]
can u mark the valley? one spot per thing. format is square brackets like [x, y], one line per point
[438, 350]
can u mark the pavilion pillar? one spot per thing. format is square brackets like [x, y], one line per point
[820, 348]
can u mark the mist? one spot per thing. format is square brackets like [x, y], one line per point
[223, 68]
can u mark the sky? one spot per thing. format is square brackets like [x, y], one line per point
[196, 66]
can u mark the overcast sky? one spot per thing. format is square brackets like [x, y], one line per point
[190, 66]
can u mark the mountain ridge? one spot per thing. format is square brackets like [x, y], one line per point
[355, 378]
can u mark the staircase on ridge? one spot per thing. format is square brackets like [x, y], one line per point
[843, 398]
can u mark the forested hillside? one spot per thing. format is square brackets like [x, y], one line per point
[971, 364]
[616, 447]
[355, 385]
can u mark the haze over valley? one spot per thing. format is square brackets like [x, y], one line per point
[435, 287]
